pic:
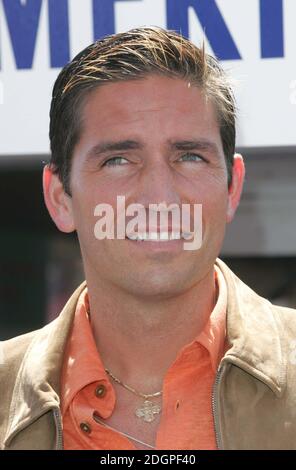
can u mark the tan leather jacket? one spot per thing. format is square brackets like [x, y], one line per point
[254, 397]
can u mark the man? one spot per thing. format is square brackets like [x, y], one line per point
[162, 347]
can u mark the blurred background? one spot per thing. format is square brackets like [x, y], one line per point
[256, 42]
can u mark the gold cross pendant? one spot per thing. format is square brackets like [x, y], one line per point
[147, 411]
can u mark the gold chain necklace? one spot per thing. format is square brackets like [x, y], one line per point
[148, 409]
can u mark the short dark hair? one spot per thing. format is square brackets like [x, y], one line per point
[128, 56]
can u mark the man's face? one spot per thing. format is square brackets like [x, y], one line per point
[161, 117]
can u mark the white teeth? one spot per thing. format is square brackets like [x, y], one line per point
[164, 236]
[133, 236]
[175, 236]
[155, 236]
[187, 235]
[151, 236]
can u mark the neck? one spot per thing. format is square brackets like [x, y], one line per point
[137, 339]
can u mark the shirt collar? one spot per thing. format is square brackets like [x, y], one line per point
[83, 364]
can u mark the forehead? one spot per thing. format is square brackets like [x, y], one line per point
[149, 105]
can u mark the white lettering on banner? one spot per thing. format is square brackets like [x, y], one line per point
[23, 19]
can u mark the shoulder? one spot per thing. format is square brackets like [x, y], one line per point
[286, 321]
[12, 351]
[243, 298]
[12, 354]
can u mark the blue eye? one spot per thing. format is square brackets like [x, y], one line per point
[192, 157]
[112, 161]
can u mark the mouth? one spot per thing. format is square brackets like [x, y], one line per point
[159, 236]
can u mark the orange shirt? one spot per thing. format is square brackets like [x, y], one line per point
[186, 421]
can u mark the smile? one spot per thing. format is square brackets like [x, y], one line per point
[157, 236]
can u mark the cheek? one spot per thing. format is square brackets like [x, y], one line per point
[214, 212]
[83, 212]
[89, 195]
[213, 195]
[86, 219]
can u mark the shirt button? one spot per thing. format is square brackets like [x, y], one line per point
[85, 427]
[100, 391]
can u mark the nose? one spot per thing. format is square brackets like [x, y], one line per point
[158, 193]
[158, 185]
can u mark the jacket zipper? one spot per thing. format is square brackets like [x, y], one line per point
[215, 395]
[214, 408]
[59, 429]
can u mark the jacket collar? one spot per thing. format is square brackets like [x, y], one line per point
[252, 335]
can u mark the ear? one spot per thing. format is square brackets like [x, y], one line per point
[236, 187]
[58, 203]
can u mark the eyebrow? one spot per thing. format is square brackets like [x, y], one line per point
[200, 144]
[111, 146]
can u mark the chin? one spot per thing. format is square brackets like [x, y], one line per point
[160, 285]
